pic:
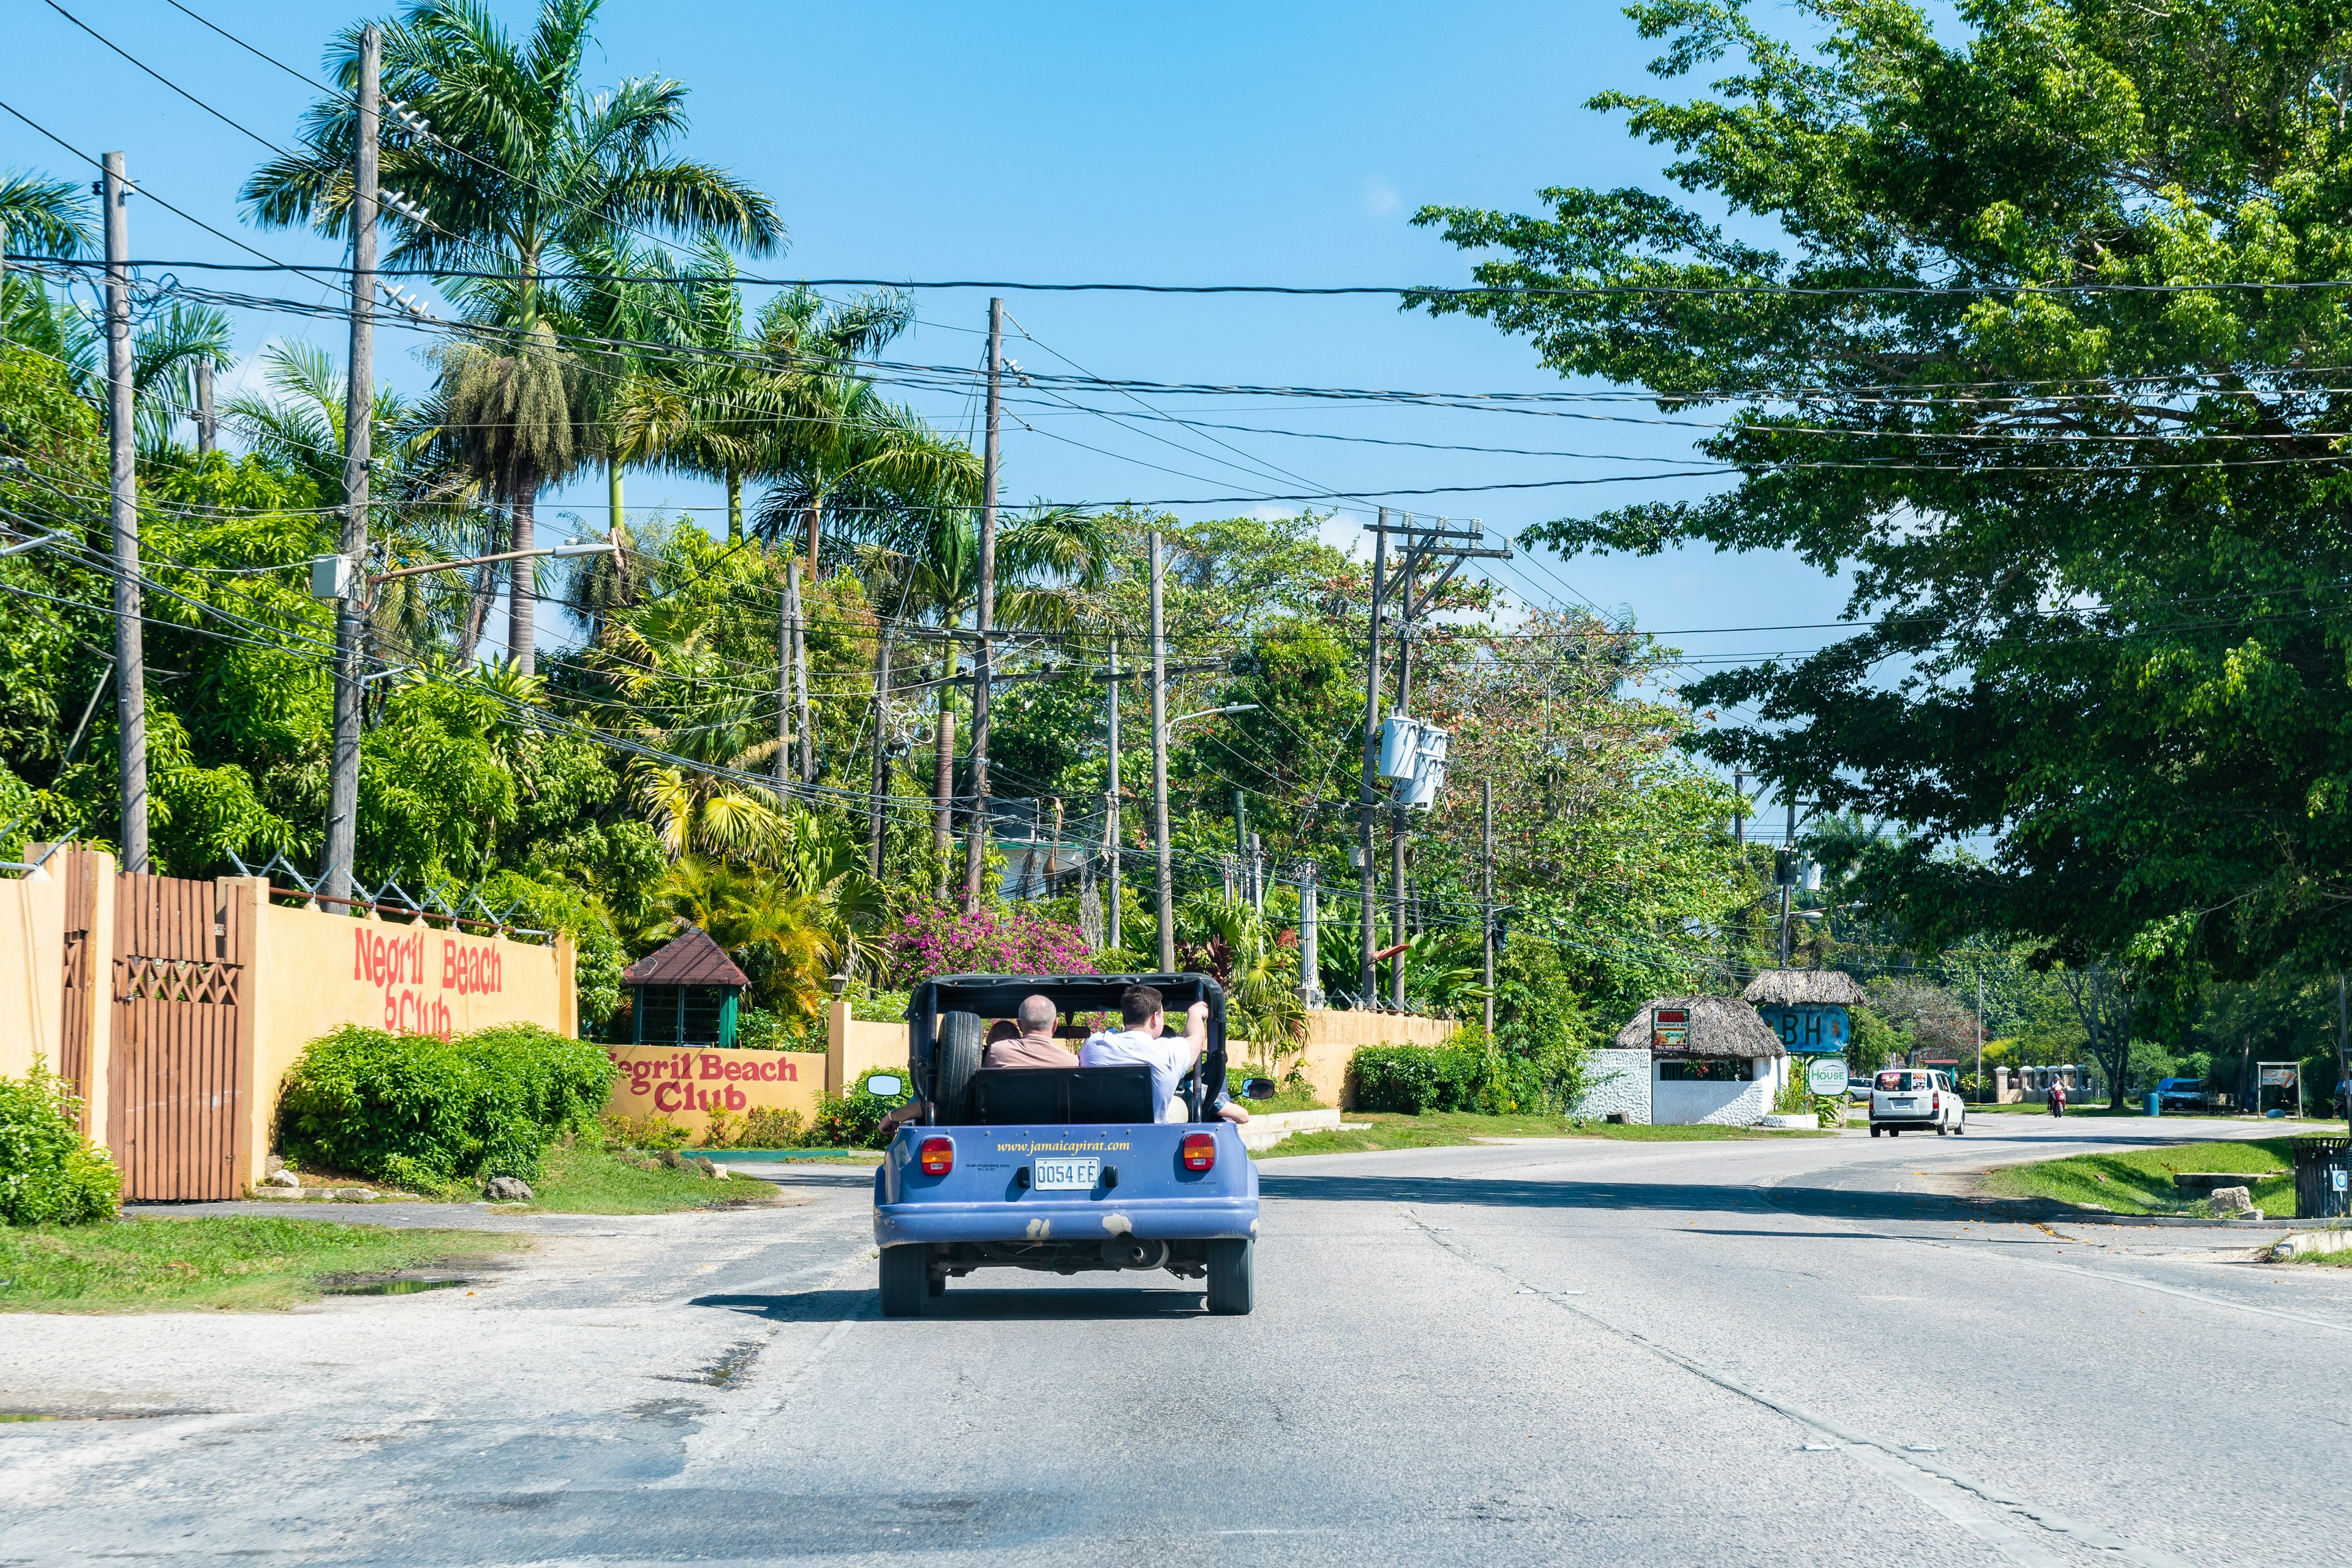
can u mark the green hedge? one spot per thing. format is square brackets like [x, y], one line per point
[1411, 1079]
[428, 1112]
[49, 1174]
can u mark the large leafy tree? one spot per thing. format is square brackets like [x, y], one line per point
[2036, 354]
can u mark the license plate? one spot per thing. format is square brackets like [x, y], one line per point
[1905, 1104]
[1066, 1175]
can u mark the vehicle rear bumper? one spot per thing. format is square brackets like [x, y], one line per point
[1906, 1123]
[1028, 1219]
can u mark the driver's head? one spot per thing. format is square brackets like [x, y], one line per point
[1037, 1015]
[1140, 1006]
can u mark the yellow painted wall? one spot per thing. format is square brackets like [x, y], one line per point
[1334, 1038]
[686, 1085]
[855, 1047]
[32, 969]
[312, 972]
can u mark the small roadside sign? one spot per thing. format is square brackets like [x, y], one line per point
[1826, 1075]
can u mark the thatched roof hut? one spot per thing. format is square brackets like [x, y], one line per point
[1803, 987]
[1719, 1027]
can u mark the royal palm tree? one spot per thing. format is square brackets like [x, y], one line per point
[39, 216]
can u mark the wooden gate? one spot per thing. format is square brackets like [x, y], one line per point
[80, 1003]
[173, 1110]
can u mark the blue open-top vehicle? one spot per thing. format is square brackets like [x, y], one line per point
[1060, 1169]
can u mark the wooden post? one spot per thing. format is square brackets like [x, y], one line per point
[130, 646]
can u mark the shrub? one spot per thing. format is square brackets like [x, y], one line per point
[651, 1130]
[881, 1007]
[770, 1127]
[855, 1120]
[428, 1112]
[1408, 1080]
[49, 1174]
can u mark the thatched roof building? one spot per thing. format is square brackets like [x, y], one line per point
[1719, 1027]
[1803, 987]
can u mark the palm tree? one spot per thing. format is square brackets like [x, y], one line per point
[505, 413]
[524, 168]
[39, 216]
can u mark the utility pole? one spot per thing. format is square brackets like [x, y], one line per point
[881, 750]
[1404, 708]
[1241, 840]
[358, 405]
[1788, 878]
[975, 847]
[130, 646]
[207, 432]
[1166, 893]
[1487, 879]
[1367, 877]
[2343, 1044]
[799, 673]
[1113, 847]
[1310, 946]
[1980, 1081]
[1257, 875]
[1740, 812]
[785, 611]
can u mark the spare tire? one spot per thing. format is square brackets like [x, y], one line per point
[954, 1058]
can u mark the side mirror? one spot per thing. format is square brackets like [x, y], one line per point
[1258, 1089]
[883, 1085]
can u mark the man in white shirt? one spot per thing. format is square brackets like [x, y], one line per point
[1144, 1012]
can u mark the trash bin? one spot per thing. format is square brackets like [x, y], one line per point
[2322, 1173]
[2155, 1103]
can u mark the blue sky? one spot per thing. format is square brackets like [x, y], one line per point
[1209, 143]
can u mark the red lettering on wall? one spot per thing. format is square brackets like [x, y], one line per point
[736, 1099]
[713, 1065]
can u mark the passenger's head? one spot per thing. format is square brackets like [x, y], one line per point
[1037, 1015]
[1140, 1004]
[1002, 1030]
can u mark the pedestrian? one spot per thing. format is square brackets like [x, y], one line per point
[2057, 1097]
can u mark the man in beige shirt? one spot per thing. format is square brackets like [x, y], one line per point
[1034, 1045]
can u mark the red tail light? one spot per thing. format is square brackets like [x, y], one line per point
[1935, 1102]
[1199, 1152]
[937, 1156]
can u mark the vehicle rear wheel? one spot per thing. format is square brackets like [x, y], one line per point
[905, 1271]
[953, 1062]
[1962, 1125]
[1894, 1133]
[1876, 1130]
[1233, 1290]
[937, 1284]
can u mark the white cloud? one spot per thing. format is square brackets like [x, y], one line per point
[1380, 198]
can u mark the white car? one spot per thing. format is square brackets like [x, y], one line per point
[1917, 1097]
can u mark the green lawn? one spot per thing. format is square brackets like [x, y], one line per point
[2139, 1181]
[578, 1179]
[238, 1263]
[1442, 1129]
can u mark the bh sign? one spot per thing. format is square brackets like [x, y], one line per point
[1809, 1027]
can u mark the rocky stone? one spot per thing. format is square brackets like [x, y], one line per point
[710, 1167]
[673, 1159]
[282, 1177]
[2231, 1203]
[508, 1190]
[276, 1164]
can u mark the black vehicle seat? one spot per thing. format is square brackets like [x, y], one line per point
[1060, 1097]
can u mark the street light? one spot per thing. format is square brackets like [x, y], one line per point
[1209, 713]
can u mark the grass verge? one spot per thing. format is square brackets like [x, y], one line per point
[1443, 1128]
[2139, 1181]
[216, 1263]
[2324, 1259]
[577, 1178]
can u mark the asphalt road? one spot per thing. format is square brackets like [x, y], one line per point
[1799, 1351]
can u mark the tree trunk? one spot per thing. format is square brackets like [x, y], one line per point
[734, 507]
[522, 601]
[944, 780]
[612, 494]
[477, 611]
[815, 523]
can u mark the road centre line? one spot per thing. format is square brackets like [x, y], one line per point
[1874, 1454]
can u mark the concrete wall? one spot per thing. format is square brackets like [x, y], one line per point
[685, 1086]
[855, 1047]
[32, 969]
[1731, 1104]
[1616, 1081]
